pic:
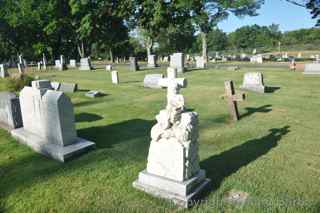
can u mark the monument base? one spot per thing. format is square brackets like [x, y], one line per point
[259, 89]
[183, 194]
[57, 152]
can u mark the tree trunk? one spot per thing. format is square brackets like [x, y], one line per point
[81, 50]
[111, 55]
[204, 47]
[149, 45]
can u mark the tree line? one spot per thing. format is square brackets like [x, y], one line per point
[122, 28]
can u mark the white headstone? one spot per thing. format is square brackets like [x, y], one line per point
[57, 64]
[115, 77]
[49, 124]
[10, 113]
[152, 81]
[39, 66]
[200, 62]
[62, 64]
[313, 69]
[85, 64]
[73, 63]
[177, 61]
[253, 81]
[152, 61]
[108, 67]
[256, 59]
[172, 73]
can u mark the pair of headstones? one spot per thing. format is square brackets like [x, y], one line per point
[49, 123]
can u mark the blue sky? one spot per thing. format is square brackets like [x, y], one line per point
[288, 16]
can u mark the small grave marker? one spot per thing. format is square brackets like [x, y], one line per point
[233, 99]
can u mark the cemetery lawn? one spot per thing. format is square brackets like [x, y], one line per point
[272, 153]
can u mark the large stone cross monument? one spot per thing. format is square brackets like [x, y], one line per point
[173, 170]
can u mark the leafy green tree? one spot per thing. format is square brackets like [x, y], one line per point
[99, 21]
[208, 13]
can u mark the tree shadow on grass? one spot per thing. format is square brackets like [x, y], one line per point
[33, 168]
[252, 110]
[109, 135]
[87, 117]
[223, 165]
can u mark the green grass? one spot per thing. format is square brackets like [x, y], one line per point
[272, 153]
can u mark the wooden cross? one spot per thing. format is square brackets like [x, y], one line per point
[232, 99]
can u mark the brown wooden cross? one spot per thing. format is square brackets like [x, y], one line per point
[233, 99]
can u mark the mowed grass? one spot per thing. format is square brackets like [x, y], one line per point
[272, 153]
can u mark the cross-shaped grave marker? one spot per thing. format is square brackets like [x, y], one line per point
[172, 83]
[233, 99]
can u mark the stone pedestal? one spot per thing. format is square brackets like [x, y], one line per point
[181, 193]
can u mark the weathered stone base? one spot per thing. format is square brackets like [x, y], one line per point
[254, 89]
[60, 153]
[183, 194]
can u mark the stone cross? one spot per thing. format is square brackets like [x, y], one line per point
[232, 99]
[173, 84]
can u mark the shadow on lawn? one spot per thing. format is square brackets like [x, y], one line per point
[252, 110]
[89, 103]
[87, 117]
[272, 89]
[221, 166]
[34, 168]
[109, 135]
